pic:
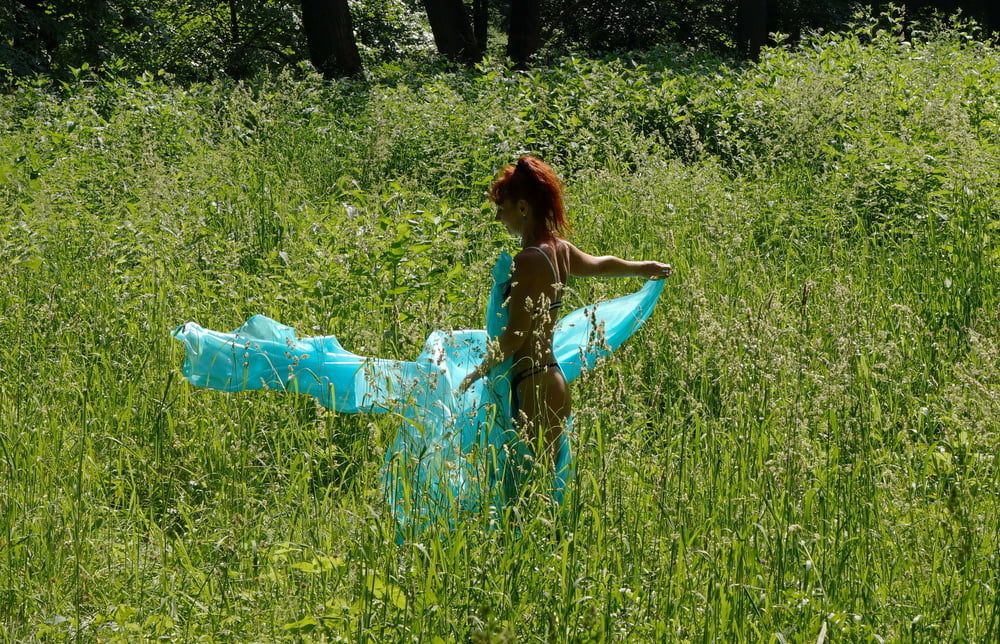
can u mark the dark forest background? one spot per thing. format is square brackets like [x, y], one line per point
[195, 40]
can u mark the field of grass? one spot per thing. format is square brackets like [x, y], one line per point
[802, 439]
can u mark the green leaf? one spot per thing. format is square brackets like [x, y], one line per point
[386, 590]
[305, 625]
[310, 567]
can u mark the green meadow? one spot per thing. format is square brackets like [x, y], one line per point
[801, 443]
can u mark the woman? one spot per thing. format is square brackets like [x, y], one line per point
[529, 203]
[429, 467]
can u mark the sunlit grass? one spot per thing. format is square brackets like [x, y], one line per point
[804, 433]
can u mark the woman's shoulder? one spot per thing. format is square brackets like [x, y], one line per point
[541, 254]
[529, 258]
[558, 246]
[539, 260]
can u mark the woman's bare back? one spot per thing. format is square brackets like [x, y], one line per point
[540, 395]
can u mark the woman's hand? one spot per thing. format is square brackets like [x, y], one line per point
[468, 381]
[494, 356]
[657, 270]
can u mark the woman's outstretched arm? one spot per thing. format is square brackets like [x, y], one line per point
[583, 265]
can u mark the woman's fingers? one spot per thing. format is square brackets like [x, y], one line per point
[661, 270]
[467, 382]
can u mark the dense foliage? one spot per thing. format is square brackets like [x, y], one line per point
[188, 39]
[198, 40]
[802, 439]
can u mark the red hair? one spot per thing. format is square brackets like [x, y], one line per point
[534, 181]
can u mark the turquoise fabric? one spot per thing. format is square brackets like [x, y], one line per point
[452, 451]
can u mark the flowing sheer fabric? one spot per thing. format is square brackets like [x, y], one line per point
[453, 452]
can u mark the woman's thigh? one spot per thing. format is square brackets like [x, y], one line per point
[545, 406]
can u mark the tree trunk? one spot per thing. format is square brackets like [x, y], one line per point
[330, 35]
[452, 32]
[94, 19]
[524, 35]
[480, 24]
[751, 27]
[236, 65]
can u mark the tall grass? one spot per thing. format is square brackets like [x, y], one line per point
[802, 438]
